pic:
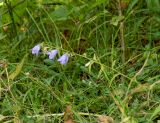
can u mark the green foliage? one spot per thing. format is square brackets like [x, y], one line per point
[95, 81]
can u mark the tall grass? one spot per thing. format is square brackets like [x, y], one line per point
[113, 69]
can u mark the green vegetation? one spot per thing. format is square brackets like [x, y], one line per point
[113, 68]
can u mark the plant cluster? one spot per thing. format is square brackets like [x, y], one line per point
[109, 55]
[63, 59]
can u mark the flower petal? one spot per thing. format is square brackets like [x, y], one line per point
[52, 54]
[64, 59]
[36, 49]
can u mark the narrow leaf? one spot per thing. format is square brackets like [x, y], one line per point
[18, 69]
[155, 113]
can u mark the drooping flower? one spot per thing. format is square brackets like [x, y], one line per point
[52, 54]
[64, 59]
[36, 49]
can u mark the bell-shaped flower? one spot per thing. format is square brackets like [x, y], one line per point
[52, 54]
[36, 49]
[64, 59]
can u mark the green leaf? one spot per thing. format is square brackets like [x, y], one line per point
[61, 13]
[2, 36]
[48, 62]
[18, 69]
[116, 19]
[156, 112]
[1, 3]
[131, 5]
[98, 2]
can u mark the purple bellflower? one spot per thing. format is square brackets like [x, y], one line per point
[36, 49]
[64, 59]
[52, 54]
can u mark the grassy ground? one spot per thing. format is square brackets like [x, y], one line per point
[113, 72]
